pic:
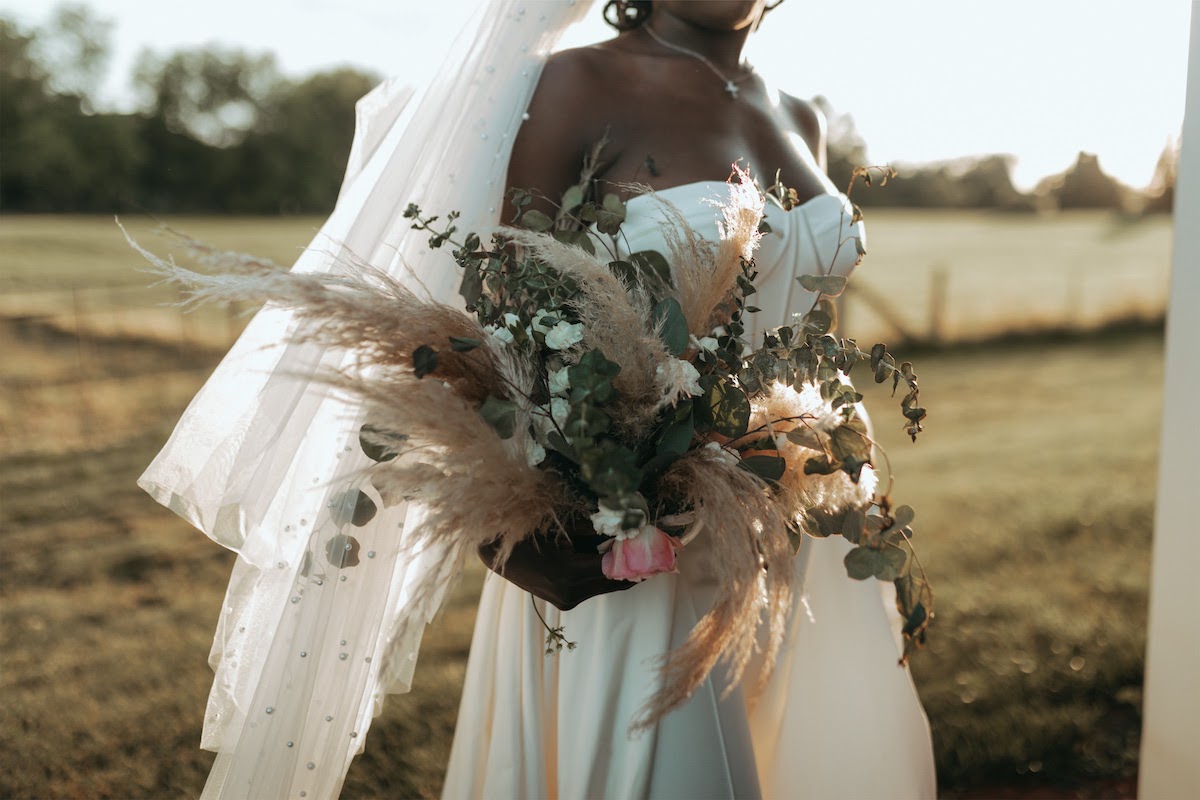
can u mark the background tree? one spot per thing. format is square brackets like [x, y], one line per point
[1085, 185]
[297, 153]
[57, 156]
[74, 47]
[214, 95]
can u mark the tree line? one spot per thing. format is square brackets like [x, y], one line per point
[223, 131]
[220, 130]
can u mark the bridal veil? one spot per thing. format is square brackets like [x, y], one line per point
[317, 623]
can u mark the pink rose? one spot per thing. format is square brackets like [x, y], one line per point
[637, 554]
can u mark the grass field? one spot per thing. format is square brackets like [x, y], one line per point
[1034, 487]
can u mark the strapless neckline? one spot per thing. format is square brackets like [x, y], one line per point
[694, 185]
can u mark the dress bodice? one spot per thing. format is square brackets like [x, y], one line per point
[815, 238]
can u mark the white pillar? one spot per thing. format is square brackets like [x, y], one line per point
[1170, 762]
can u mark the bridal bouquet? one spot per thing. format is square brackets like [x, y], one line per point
[582, 388]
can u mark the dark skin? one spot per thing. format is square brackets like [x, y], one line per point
[650, 100]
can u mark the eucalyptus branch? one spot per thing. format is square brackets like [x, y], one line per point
[555, 638]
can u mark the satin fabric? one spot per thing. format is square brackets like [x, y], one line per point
[838, 719]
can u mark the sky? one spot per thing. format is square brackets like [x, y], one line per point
[923, 79]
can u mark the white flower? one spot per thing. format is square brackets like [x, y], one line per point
[726, 456]
[546, 418]
[502, 332]
[539, 323]
[534, 452]
[678, 377]
[541, 420]
[708, 344]
[564, 335]
[560, 409]
[560, 383]
[607, 521]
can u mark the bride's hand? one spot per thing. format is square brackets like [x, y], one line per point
[561, 572]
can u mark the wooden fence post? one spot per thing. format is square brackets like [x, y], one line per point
[82, 372]
[937, 304]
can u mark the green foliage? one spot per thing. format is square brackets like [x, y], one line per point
[673, 328]
[378, 444]
[501, 414]
[214, 95]
[220, 130]
[425, 360]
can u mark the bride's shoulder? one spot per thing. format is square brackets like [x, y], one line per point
[809, 121]
[581, 92]
[591, 75]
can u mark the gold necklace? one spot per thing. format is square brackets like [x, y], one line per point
[731, 86]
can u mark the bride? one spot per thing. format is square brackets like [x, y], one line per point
[322, 617]
[677, 105]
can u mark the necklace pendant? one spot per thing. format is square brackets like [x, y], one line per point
[732, 88]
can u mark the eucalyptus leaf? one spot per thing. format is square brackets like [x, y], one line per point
[877, 353]
[658, 464]
[371, 439]
[561, 446]
[342, 551]
[668, 314]
[730, 409]
[364, 510]
[769, 468]
[916, 621]
[904, 515]
[831, 285]
[885, 563]
[652, 263]
[678, 435]
[820, 465]
[535, 220]
[817, 321]
[500, 414]
[608, 222]
[471, 286]
[425, 360]
[613, 205]
[854, 523]
[830, 308]
[463, 344]
[804, 436]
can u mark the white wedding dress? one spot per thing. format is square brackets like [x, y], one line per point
[838, 719]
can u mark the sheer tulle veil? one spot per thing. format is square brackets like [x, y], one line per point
[318, 620]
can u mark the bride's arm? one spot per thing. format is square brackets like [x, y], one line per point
[560, 128]
[546, 159]
[810, 122]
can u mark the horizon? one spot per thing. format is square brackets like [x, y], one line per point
[922, 89]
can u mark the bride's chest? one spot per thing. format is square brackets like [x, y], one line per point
[673, 140]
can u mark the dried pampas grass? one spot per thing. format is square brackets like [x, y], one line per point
[706, 277]
[359, 309]
[782, 409]
[616, 321]
[749, 555]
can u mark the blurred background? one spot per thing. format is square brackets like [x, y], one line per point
[1020, 259]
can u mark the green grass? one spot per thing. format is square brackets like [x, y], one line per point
[1034, 494]
[57, 252]
[1034, 485]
